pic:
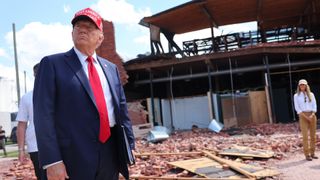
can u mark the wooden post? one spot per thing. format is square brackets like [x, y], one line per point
[152, 97]
[212, 115]
[269, 85]
[234, 167]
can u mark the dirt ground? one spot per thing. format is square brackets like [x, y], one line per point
[297, 168]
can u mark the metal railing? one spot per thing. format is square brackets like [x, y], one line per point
[243, 39]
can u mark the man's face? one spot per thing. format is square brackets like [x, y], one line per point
[86, 35]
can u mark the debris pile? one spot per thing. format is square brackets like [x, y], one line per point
[156, 159]
[18, 171]
[281, 139]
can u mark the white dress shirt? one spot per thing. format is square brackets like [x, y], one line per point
[302, 103]
[25, 114]
[103, 80]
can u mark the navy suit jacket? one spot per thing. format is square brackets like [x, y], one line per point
[66, 117]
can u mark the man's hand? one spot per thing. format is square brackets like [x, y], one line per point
[57, 172]
[22, 157]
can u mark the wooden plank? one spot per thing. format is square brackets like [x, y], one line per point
[230, 164]
[243, 151]
[259, 110]
[268, 104]
[240, 115]
[250, 171]
[181, 178]
[168, 154]
[243, 110]
[229, 119]
[210, 105]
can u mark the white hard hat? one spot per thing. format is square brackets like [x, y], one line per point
[303, 81]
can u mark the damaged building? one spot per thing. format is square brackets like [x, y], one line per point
[237, 78]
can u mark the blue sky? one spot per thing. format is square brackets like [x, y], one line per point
[43, 28]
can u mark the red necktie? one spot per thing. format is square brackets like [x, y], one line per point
[100, 101]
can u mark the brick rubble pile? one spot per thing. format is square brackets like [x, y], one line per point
[282, 139]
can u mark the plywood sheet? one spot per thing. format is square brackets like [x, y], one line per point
[210, 168]
[259, 108]
[206, 167]
[258, 172]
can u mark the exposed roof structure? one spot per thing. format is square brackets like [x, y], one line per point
[284, 48]
[201, 14]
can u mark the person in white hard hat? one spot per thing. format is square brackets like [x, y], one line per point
[306, 107]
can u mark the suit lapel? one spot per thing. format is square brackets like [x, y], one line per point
[107, 71]
[74, 62]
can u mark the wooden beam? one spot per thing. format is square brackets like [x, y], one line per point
[259, 9]
[169, 35]
[234, 167]
[260, 21]
[305, 10]
[180, 178]
[167, 154]
[209, 15]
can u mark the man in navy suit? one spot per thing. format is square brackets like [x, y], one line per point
[80, 109]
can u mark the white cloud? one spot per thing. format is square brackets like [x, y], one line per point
[3, 53]
[126, 15]
[35, 40]
[120, 11]
[143, 39]
[205, 33]
[126, 56]
[8, 74]
[242, 27]
[66, 8]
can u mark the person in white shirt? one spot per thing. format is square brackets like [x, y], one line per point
[306, 106]
[26, 132]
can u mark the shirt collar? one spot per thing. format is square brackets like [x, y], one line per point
[82, 57]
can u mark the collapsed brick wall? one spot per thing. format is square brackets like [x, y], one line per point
[108, 51]
[137, 113]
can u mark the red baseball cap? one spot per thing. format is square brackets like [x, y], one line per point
[91, 14]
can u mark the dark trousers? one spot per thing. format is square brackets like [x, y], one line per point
[40, 172]
[108, 160]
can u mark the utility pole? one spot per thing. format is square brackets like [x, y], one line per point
[16, 62]
[25, 81]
